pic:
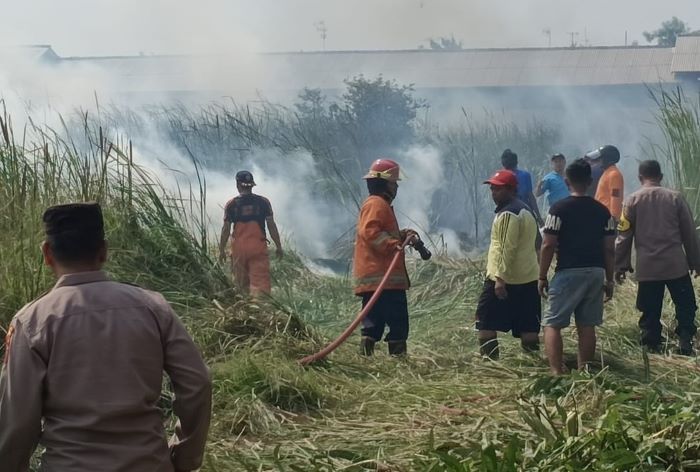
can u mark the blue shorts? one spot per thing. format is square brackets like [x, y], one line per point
[578, 291]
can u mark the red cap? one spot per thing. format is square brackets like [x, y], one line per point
[503, 178]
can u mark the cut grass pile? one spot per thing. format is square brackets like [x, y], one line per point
[444, 408]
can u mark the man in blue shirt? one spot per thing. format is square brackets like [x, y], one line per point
[553, 184]
[509, 160]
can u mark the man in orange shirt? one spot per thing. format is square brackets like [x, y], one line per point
[377, 240]
[610, 190]
[248, 214]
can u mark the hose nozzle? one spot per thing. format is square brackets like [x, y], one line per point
[419, 246]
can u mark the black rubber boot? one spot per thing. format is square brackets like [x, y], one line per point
[397, 348]
[367, 346]
[531, 347]
[653, 342]
[685, 346]
[653, 348]
[488, 347]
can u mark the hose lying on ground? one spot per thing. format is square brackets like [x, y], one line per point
[363, 314]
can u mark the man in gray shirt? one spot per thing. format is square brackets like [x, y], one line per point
[660, 224]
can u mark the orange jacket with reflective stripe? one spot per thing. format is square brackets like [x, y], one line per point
[375, 247]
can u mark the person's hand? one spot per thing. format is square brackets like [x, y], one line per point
[695, 273]
[620, 276]
[280, 253]
[500, 289]
[543, 287]
[406, 233]
[609, 290]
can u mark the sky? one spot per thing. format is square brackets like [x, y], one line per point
[124, 27]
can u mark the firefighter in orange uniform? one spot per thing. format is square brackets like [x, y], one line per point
[248, 213]
[377, 240]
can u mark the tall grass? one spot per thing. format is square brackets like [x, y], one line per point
[678, 117]
[147, 227]
[471, 151]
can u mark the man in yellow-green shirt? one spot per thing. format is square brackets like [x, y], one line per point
[510, 300]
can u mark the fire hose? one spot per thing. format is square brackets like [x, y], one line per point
[366, 309]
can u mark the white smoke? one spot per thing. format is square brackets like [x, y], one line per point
[226, 65]
[423, 174]
[308, 222]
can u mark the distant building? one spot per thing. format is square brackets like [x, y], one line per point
[41, 53]
[426, 69]
[599, 93]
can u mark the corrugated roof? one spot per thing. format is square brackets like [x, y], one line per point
[483, 68]
[39, 52]
[686, 55]
[423, 68]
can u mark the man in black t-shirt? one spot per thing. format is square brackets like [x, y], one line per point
[248, 213]
[581, 232]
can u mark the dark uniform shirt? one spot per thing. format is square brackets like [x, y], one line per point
[247, 213]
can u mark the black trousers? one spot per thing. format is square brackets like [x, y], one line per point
[650, 299]
[520, 313]
[391, 309]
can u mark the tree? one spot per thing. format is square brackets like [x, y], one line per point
[373, 112]
[380, 111]
[445, 44]
[668, 33]
[311, 104]
[373, 117]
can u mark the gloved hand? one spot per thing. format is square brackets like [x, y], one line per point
[407, 233]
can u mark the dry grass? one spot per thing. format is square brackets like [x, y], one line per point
[444, 408]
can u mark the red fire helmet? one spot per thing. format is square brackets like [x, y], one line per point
[383, 169]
